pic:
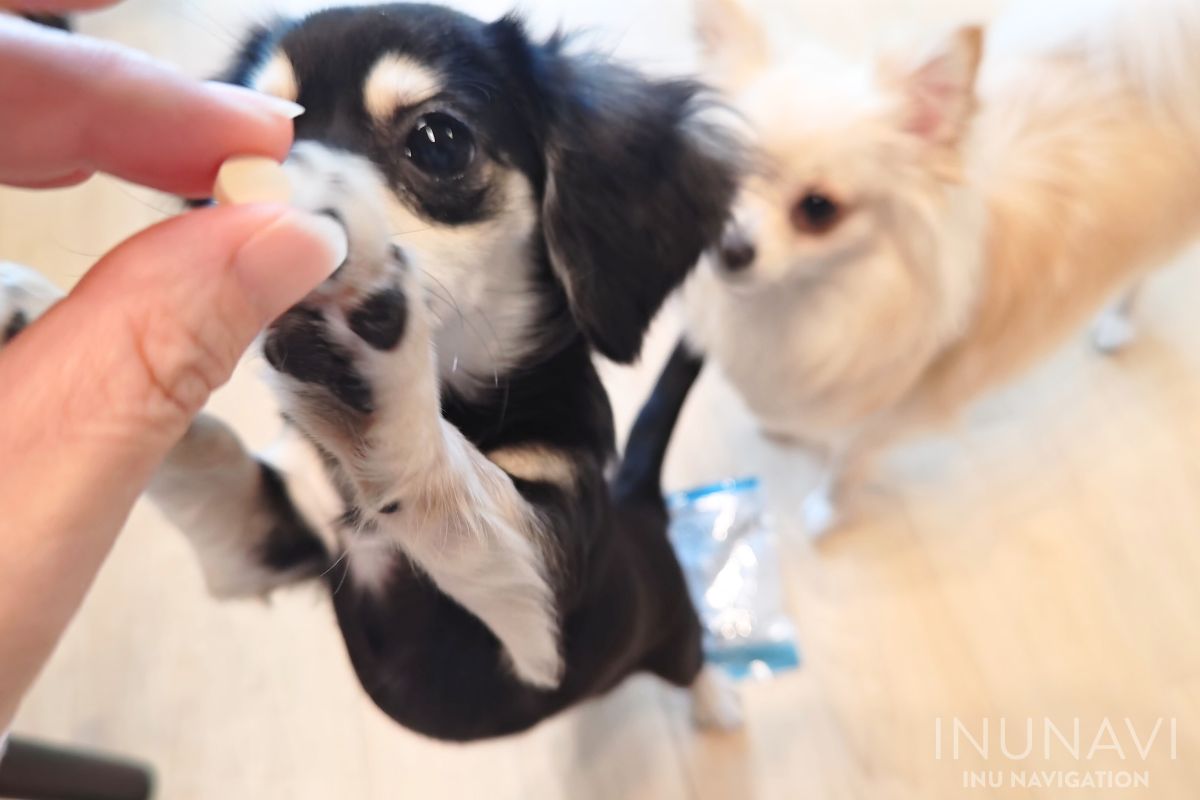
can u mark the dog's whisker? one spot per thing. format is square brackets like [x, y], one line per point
[206, 24]
[214, 21]
[413, 232]
[163, 213]
[487, 345]
[342, 580]
[466, 321]
[345, 554]
[75, 252]
[487, 90]
[449, 298]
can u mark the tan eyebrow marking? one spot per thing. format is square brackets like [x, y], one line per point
[398, 81]
[277, 77]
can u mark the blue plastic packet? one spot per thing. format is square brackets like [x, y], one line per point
[727, 548]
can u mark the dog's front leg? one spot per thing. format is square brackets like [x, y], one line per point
[24, 296]
[235, 510]
[851, 461]
[358, 375]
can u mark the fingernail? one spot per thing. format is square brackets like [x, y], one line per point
[269, 102]
[288, 259]
[284, 108]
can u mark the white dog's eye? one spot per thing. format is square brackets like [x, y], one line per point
[816, 213]
[440, 145]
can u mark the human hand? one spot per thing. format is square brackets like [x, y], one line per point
[94, 394]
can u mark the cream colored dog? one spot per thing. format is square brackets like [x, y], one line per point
[925, 226]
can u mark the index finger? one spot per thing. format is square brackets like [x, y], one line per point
[55, 5]
[77, 106]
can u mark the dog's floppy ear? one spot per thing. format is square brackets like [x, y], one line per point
[937, 88]
[638, 183]
[254, 52]
[733, 45]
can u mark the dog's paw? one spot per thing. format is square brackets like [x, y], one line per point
[535, 657]
[229, 575]
[502, 585]
[24, 296]
[334, 341]
[716, 703]
[237, 514]
[1113, 332]
[304, 345]
[343, 341]
[820, 513]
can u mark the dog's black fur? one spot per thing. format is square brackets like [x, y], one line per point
[13, 326]
[432, 666]
[628, 200]
[50, 20]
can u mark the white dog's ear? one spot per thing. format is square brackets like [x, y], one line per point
[733, 45]
[937, 88]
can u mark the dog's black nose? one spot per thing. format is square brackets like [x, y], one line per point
[737, 252]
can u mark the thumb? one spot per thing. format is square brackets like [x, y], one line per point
[133, 353]
[94, 394]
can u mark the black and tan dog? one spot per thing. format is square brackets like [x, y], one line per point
[511, 207]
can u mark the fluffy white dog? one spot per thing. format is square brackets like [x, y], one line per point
[925, 226]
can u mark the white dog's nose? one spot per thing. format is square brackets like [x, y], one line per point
[736, 251]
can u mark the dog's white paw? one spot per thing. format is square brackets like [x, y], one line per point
[533, 650]
[241, 579]
[716, 703]
[523, 620]
[1113, 332]
[24, 296]
[820, 512]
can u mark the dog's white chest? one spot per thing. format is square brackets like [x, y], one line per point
[810, 364]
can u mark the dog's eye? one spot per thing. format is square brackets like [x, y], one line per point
[440, 145]
[816, 213]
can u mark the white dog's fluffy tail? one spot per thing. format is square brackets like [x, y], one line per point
[1154, 45]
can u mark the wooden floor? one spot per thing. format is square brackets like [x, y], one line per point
[1040, 563]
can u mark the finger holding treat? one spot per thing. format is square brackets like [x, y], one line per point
[98, 107]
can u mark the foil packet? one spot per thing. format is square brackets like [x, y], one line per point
[728, 549]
